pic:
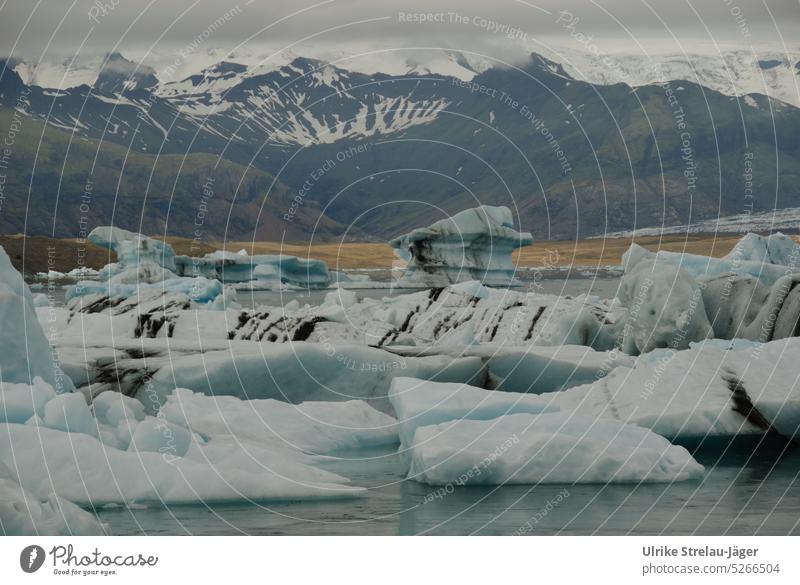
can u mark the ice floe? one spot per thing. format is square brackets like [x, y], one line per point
[419, 403]
[461, 435]
[263, 271]
[22, 513]
[714, 389]
[545, 448]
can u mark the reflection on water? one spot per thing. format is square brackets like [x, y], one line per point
[744, 491]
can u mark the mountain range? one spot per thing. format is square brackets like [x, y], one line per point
[313, 149]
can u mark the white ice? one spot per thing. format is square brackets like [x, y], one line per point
[474, 244]
[263, 270]
[545, 448]
[24, 514]
[26, 352]
[715, 389]
[419, 403]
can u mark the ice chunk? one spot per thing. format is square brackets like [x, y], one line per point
[20, 402]
[40, 300]
[83, 470]
[113, 408]
[200, 289]
[143, 263]
[300, 372]
[472, 288]
[545, 448]
[767, 258]
[343, 298]
[665, 304]
[26, 352]
[419, 403]
[666, 295]
[22, 513]
[160, 436]
[140, 259]
[69, 412]
[314, 427]
[474, 244]
[227, 300]
[714, 389]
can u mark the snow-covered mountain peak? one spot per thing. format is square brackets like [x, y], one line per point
[734, 72]
[119, 74]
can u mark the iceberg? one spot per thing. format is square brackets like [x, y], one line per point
[298, 372]
[21, 402]
[459, 434]
[140, 259]
[766, 258]
[474, 244]
[22, 513]
[664, 304]
[64, 450]
[199, 289]
[420, 403]
[85, 471]
[263, 270]
[670, 302]
[715, 389]
[317, 428]
[26, 353]
[148, 263]
[545, 448]
[449, 316]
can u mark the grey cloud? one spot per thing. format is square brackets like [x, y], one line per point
[57, 29]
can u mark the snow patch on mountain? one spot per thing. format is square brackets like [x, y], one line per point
[765, 221]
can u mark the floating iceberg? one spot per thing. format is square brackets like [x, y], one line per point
[299, 372]
[23, 513]
[199, 289]
[465, 314]
[140, 259]
[767, 258]
[144, 262]
[545, 448]
[83, 470]
[111, 451]
[420, 403]
[715, 389]
[319, 428]
[26, 353]
[665, 304]
[263, 271]
[474, 244]
[673, 299]
[21, 402]
[458, 434]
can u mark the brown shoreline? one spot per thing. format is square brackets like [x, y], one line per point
[42, 253]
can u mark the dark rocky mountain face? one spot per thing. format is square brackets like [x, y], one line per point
[374, 155]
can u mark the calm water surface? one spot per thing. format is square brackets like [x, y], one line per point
[746, 490]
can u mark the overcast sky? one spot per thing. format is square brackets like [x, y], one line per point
[59, 29]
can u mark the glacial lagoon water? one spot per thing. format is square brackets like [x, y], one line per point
[747, 489]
